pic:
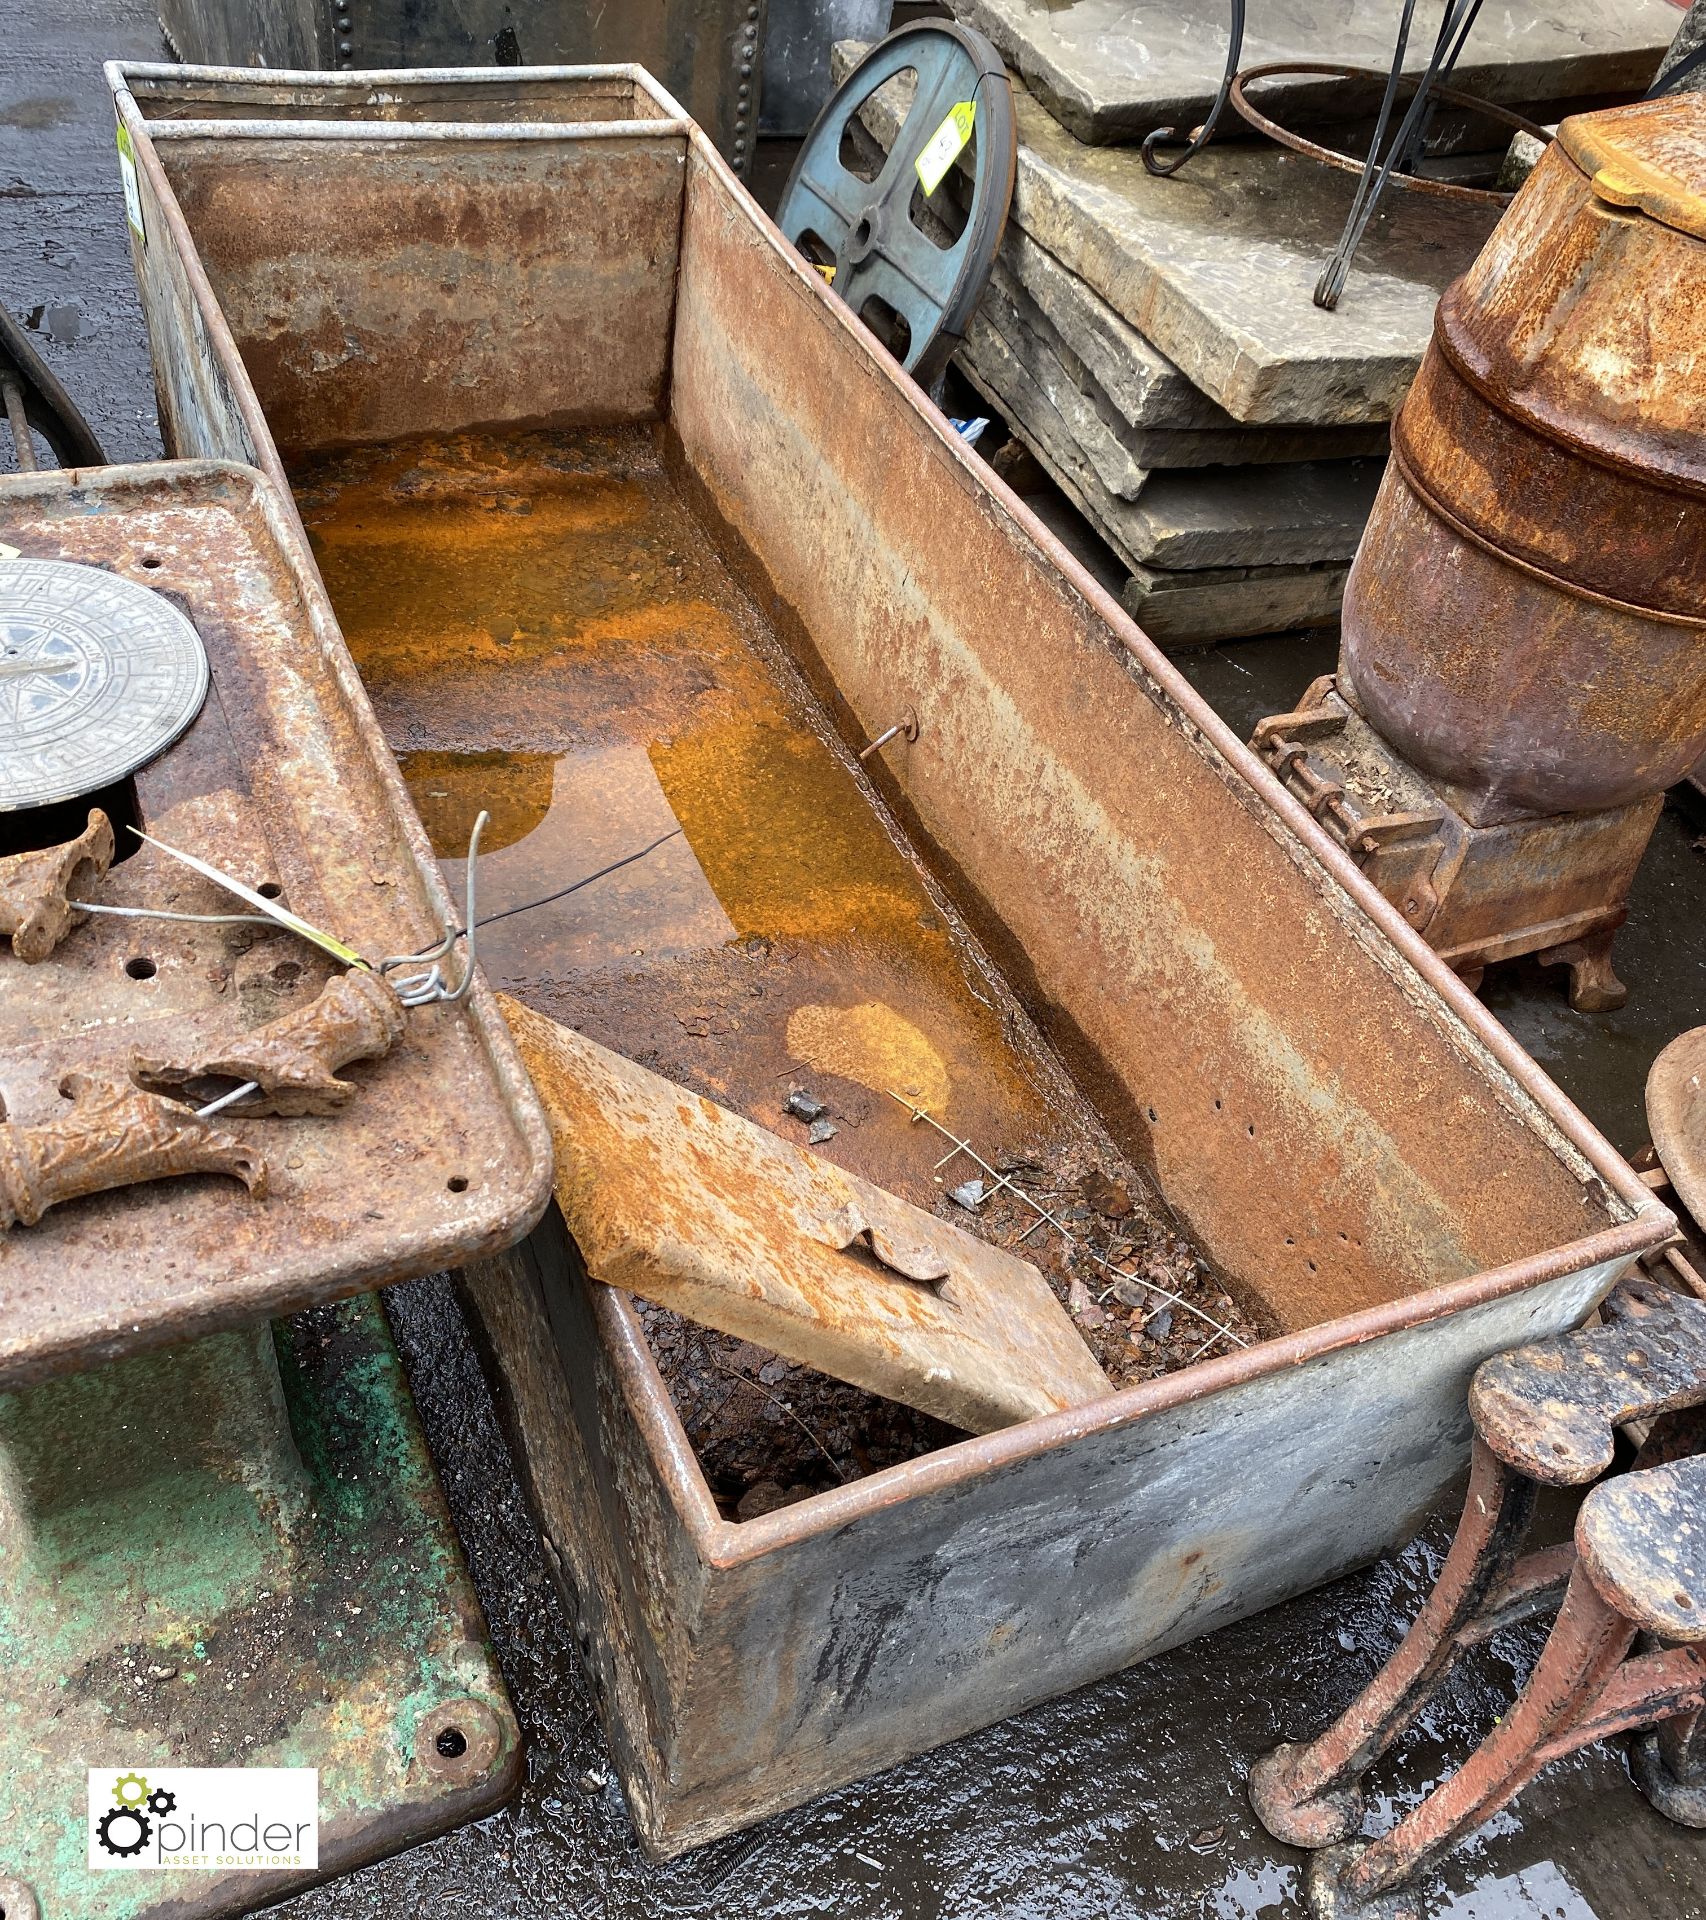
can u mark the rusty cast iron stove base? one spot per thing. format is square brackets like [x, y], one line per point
[1554, 885]
[235, 1553]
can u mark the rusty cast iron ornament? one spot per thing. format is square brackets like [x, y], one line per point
[39, 891]
[293, 1060]
[113, 1136]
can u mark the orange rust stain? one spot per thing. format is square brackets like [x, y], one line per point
[480, 551]
[450, 790]
[873, 1044]
[542, 619]
[784, 834]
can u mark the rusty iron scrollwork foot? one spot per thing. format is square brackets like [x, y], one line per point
[292, 1061]
[36, 904]
[1677, 1790]
[112, 1136]
[1594, 985]
[1330, 1897]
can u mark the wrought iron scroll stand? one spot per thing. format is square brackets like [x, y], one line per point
[1379, 168]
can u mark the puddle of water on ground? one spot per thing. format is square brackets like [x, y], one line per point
[62, 324]
[1540, 1891]
[38, 113]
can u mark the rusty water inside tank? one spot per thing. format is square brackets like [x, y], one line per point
[548, 632]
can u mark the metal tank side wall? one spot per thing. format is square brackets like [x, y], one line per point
[377, 288]
[745, 1668]
[202, 416]
[1309, 1106]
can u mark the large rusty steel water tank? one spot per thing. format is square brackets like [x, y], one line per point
[1526, 617]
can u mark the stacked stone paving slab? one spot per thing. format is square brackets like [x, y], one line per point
[1113, 70]
[1154, 343]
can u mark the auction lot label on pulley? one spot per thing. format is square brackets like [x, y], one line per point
[946, 144]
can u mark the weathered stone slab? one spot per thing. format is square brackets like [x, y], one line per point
[1217, 267]
[1007, 365]
[1196, 609]
[1124, 454]
[1180, 610]
[1110, 71]
[1011, 393]
[1141, 382]
[1260, 516]
[1213, 517]
[1155, 410]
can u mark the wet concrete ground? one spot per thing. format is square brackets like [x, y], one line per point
[1123, 1800]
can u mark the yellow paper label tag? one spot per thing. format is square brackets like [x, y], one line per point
[127, 174]
[946, 145]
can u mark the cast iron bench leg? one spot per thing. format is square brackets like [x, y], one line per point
[1375, 1880]
[1311, 1796]
[1547, 1413]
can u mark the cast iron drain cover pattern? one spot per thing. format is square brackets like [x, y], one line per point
[98, 674]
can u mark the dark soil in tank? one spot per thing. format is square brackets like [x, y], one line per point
[769, 1432]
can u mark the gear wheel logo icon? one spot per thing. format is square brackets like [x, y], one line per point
[130, 1790]
[162, 1801]
[124, 1831]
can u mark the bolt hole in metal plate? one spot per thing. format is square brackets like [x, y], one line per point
[886, 263]
[460, 1741]
[17, 1902]
[98, 675]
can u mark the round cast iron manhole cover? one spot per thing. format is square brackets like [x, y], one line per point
[98, 674]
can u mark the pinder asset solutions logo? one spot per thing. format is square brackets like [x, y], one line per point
[220, 1818]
